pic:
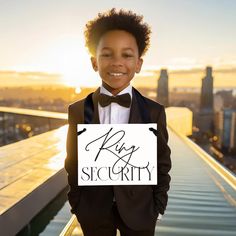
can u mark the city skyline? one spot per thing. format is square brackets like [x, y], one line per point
[189, 79]
[47, 36]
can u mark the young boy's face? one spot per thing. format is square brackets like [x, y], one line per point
[117, 60]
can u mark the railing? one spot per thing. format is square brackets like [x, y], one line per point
[17, 123]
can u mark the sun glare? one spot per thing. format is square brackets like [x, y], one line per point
[70, 58]
[78, 90]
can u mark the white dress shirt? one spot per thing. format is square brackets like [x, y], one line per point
[114, 113]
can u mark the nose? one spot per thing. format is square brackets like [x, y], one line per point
[117, 61]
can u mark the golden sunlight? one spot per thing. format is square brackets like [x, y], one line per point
[70, 58]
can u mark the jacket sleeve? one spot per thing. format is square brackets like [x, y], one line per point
[71, 162]
[163, 165]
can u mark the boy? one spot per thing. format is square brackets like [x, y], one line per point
[116, 41]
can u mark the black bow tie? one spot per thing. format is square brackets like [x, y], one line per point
[123, 99]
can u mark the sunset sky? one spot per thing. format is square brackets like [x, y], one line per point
[47, 35]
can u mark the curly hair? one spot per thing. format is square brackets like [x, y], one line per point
[117, 20]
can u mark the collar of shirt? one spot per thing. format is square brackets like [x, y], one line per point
[114, 113]
[128, 89]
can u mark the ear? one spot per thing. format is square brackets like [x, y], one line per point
[139, 65]
[94, 63]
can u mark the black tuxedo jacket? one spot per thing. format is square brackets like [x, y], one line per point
[139, 205]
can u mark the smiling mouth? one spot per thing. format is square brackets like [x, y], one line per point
[116, 74]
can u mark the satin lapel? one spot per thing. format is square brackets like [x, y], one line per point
[91, 108]
[136, 109]
[95, 104]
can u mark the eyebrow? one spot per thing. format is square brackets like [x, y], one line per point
[108, 48]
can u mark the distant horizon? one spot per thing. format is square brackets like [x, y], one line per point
[182, 78]
[223, 69]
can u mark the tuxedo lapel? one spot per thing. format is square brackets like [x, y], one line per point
[134, 116]
[139, 111]
[95, 104]
[91, 108]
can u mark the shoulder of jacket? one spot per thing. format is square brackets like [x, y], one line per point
[76, 104]
[79, 103]
[151, 103]
[154, 104]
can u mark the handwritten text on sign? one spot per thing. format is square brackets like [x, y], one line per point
[117, 154]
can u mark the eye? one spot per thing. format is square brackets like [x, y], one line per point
[127, 55]
[105, 54]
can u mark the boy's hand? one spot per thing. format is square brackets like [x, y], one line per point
[159, 216]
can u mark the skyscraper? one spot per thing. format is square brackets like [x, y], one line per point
[206, 103]
[225, 129]
[206, 112]
[162, 88]
[233, 133]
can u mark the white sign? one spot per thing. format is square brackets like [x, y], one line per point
[117, 154]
